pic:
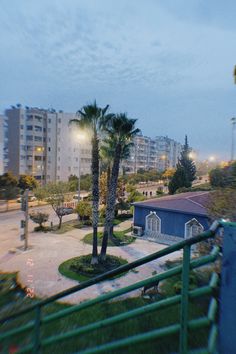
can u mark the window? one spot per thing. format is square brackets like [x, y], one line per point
[38, 158]
[22, 126]
[29, 127]
[37, 128]
[49, 149]
[193, 228]
[153, 223]
[38, 138]
[49, 120]
[29, 137]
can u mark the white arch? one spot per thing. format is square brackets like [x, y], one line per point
[192, 228]
[152, 223]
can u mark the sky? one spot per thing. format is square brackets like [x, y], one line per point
[167, 63]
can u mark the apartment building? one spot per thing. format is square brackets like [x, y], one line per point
[3, 144]
[146, 153]
[44, 145]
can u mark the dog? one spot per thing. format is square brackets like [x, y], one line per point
[153, 285]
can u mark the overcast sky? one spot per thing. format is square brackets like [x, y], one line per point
[167, 63]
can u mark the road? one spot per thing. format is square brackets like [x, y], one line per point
[10, 221]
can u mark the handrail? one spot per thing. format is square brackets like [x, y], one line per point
[122, 269]
[183, 298]
[102, 298]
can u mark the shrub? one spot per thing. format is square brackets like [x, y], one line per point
[39, 218]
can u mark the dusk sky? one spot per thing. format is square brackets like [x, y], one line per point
[167, 63]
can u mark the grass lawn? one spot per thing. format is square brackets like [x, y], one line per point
[119, 239]
[126, 328]
[80, 268]
[76, 224]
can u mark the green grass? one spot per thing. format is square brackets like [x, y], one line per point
[80, 268]
[76, 224]
[119, 239]
[8, 282]
[131, 327]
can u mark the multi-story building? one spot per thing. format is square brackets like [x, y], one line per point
[44, 145]
[3, 144]
[146, 153]
[168, 152]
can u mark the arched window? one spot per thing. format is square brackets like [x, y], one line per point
[193, 228]
[153, 223]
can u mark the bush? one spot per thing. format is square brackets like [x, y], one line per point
[39, 218]
[80, 268]
[192, 283]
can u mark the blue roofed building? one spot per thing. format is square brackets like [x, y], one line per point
[171, 218]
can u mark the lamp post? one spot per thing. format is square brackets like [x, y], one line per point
[81, 137]
[233, 121]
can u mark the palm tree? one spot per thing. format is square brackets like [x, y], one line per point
[92, 119]
[120, 130]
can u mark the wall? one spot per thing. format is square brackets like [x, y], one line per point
[172, 223]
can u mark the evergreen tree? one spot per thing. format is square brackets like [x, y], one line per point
[185, 173]
[187, 163]
[178, 180]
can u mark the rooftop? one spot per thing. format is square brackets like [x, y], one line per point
[191, 202]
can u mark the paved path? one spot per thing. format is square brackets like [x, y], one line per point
[38, 267]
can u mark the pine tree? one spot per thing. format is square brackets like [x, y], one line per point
[187, 163]
[185, 173]
[178, 180]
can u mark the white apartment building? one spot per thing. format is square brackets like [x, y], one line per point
[44, 145]
[146, 153]
[3, 144]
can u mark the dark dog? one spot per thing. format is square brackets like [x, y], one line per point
[153, 285]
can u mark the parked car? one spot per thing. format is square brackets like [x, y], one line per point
[65, 211]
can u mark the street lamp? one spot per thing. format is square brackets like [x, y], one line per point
[81, 137]
[233, 121]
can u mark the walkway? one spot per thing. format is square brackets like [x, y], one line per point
[38, 267]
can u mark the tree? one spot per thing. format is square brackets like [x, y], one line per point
[27, 182]
[185, 173]
[221, 204]
[92, 119]
[8, 187]
[55, 193]
[178, 180]
[134, 194]
[218, 177]
[84, 210]
[39, 218]
[121, 130]
[73, 183]
[187, 163]
[169, 173]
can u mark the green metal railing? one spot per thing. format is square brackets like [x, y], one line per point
[38, 343]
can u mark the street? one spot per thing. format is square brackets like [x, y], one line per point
[11, 220]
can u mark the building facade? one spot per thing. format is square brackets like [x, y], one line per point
[3, 144]
[44, 145]
[172, 218]
[146, 153]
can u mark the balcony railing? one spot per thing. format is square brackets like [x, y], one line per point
[38, 343]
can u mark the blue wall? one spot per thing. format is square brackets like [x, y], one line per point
[172, 222]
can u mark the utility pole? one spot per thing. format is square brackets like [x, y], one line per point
[233, 121]
[24, 223]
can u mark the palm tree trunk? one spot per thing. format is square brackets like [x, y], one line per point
[95, 196]
[111, 201]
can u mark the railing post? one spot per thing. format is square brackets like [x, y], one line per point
[227, 327]
[37, 323]
[183, 339]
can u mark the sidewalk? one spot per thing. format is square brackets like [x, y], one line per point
[38, 267]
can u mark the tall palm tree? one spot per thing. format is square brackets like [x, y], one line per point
[92, 119]
[120, 130]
